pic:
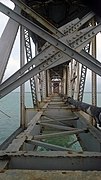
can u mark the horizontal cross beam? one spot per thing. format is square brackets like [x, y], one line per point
[64, 133]
[50, 146]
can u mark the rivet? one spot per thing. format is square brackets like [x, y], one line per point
[64, 49]
[8, 13]
[72, 54]
[93, 32]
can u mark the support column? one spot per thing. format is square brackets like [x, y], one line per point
[37, 83]
[66, 78]
[94, 81]
[68, 81]
[43, 85]
[22, 87]
[60, 87]
[64, 81]
[73, 76]
[77, 82]
[38, 89]
[49, 85]
[52, 89]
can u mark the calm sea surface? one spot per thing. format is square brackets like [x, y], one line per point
[10, 114]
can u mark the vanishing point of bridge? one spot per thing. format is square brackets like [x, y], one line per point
[64, 34]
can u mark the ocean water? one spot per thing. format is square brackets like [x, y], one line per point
[10, 111]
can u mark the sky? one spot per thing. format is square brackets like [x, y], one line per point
[14, 60]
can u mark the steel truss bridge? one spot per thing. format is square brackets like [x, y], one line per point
[64, 34]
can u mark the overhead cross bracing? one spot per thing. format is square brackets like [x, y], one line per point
[55, 70]
[71, 53]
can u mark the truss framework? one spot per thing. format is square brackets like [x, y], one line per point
[66, 44]
[95, 66]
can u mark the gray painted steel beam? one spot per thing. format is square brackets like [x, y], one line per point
[89, 109]
[68, 28]
[20, 139]
[52, 40]
[47, 36]
[53, 160]
[6, 43]
[36, 62]
[39, 59]
[38, 17]
[50, 146]
[65, 128]
[81, 22]
[65, 133]
[47, 119]
[25, 77]
[78, 44]
[90, 141]
[52, 59]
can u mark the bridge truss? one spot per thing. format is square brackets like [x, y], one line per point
[55, 69]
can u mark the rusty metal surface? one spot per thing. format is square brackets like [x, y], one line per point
[94, 111]
[49, 175]
[53, 160]
[29, 158]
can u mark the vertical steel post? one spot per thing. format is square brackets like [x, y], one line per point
[60, 87]
[43, 84]
[64, 80]
[37, 81]
[69, 80]
[46, 85]
[94, 88]
[49, 85]
[77, 81]
[22, 87]
[72, 88]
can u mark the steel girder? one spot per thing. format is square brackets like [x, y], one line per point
[29, 57]
[52, 40]
[89, 109]
[53, 160]
[8, 37]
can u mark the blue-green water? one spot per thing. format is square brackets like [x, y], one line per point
[10, 121]
[10, 113]
[88, 98]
